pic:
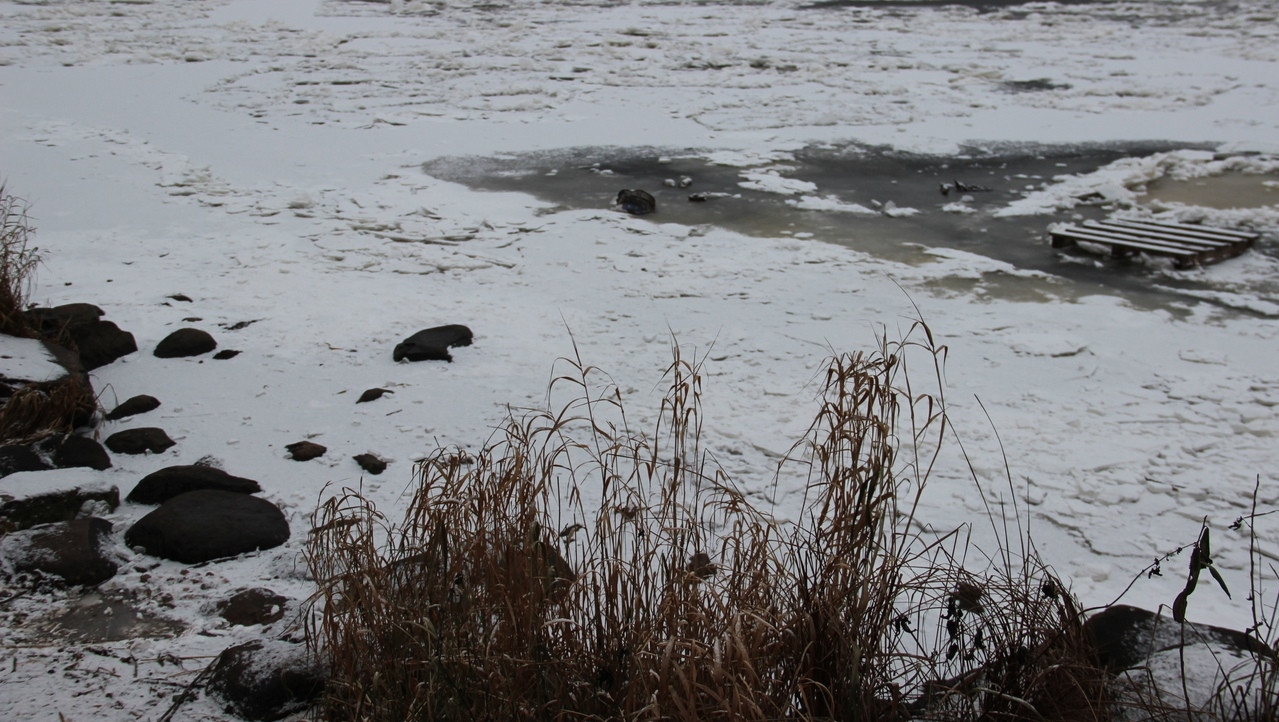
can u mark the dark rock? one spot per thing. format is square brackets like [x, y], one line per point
[225, 354]
[16, 457]
[160, 486]
[55, 505]
[305, 450]
[80, 326]
[139, 441]
[370, 463]
[250, 607]
[102, 342]
[636, 202]
[53, 322]
[185, 342]
[433, 344]
[265, 679]
[208, 524]
[372, 395]
[1202, 671]
[133, 406]
[70, 451]
[1125, 636]
[75, 551]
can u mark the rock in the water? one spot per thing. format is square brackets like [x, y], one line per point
[139, 441]
[160, 486]
[208, 524]
[133, 406]
[77, 551]
[265, 679]
[636, 202]
[305, 450]
[185, 342]
[72, 450]
[249, 607]
[36, 500]
[370, 463]
[433, 344]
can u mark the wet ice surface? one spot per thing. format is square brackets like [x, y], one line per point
[266, 160]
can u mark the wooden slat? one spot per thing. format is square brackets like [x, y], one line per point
[1191, 244]
[1203, 236]
[1082, 234]
[1187, 227]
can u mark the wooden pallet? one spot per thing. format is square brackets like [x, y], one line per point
[1187, 244]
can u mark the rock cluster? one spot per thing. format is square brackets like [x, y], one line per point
[54, 530]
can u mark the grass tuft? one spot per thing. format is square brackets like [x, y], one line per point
[18, 261]
[576, 569]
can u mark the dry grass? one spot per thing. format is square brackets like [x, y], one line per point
[18, 260]
[577, 570]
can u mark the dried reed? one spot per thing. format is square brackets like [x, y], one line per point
[18, 261]
[574, 569]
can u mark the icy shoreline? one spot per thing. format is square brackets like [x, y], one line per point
[262, 160]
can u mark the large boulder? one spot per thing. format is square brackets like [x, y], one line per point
[265, 679]
[208, 524]
[160, 486]
[1201, 670]
[77, 551]
[433, 344]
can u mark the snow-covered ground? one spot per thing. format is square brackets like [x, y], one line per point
[263, 159]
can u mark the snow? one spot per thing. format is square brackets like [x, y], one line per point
[27, 359]
[264, 160]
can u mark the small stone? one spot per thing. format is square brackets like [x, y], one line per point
[370, 463]
[225, 354]
[433, 344]
[250, 607]
[133, 406]
[305, 450]
[372, 395]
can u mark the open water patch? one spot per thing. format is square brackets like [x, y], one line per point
[900, 206]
